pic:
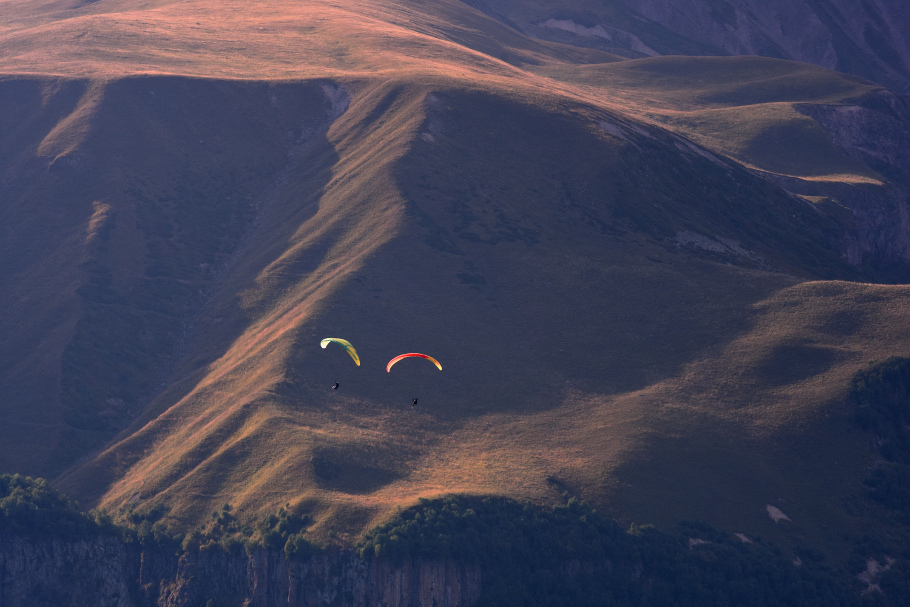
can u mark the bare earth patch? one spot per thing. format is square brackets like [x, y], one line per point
[776, 514]
[873, 572]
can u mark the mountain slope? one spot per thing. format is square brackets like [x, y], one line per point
[867, 39]
[137, 230]
[837, 141]
[553, 230]
[599, 252]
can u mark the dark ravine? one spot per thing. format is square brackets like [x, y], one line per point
[105, 571]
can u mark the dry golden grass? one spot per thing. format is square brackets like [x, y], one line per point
[741, 107]
[263, 40]
[780, 431]
[764, 420]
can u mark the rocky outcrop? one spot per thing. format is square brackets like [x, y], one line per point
[108, 572]
[875, 133]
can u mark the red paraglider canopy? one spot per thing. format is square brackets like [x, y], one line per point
[388, 367]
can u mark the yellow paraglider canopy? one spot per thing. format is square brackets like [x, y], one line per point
[344, 344]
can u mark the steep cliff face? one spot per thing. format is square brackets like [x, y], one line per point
[874, 133]
[265, 579]
[107, 572]
[53, 572]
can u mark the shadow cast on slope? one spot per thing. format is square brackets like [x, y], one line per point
[193, 194]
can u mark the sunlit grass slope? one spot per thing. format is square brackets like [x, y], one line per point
[616, 309]
[743, 107]
[265, 39]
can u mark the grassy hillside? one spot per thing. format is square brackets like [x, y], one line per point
[120, 234]
[619, 313]
[832, 139]
[266, 40]
[559, 309]
[742, 107]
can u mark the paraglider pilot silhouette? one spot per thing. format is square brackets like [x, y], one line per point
[353, 353]
[347, 347]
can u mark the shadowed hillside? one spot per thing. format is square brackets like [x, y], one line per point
[127, 210]
[866, 39]
[832, 139]
[628, 301]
